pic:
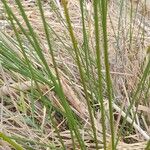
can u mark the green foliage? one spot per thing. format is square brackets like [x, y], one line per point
[24, 59]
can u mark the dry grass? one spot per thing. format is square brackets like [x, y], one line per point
[126, 58]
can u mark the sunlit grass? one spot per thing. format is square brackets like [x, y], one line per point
[41, 74]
